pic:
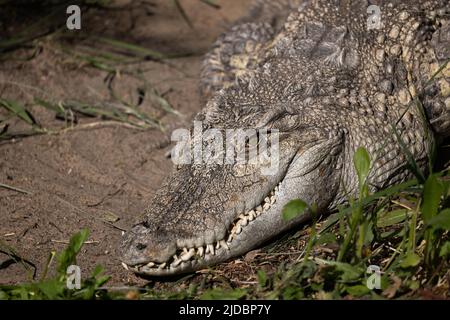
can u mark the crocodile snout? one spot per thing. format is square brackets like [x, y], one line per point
[140, 246]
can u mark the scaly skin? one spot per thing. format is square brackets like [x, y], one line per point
[329, 85]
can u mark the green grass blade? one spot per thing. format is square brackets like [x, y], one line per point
[432, 192]
[19, 110]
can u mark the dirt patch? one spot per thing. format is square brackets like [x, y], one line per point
[83, 177]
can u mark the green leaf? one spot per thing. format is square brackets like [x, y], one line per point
[19, 110]
[68, 256]
[387, 219]
[220, 294]
[445, 249]
[334, 218]
[98, 269]
[326, 238]
[51, 289]
[293, 209]
[293, 293]
[361, 160]
[3, 295]
[349, 272]
[441, 221]
[368, 236]
[432, 192]
[138, 50]
[358, 290]
[262, 278]
[414, 284]
[410, 260]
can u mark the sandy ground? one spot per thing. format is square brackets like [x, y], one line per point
[80, 178]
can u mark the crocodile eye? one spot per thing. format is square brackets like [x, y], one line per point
[141, 246]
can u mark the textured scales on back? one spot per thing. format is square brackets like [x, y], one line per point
[329, 84]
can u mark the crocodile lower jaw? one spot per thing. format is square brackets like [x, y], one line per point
[190, 259]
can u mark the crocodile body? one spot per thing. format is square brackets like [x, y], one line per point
[320, 75]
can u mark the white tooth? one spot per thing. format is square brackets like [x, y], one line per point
[185, 250]
[237, 225]
[266, 206]
[230, 238]
[224, 244]
[217, 245]
[176, 263]
[150, 264]
[242, 216]
[251, 215]
[210, 249]
[258, 213]
[238, 229]
[188, 255]
[244, 222]
[273, 199]
[162, 265]
[272, 193]
[267, 199]
[200, 251]
[259, 208]
[124, 265]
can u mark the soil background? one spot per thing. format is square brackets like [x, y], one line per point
[81, 178]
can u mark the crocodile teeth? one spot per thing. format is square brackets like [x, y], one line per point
[184, 254]
[210, 249]
[162, 265]
[187, 256]
[224, 245]
[124, 265]
[175, 263]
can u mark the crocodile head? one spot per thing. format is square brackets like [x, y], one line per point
[322, 88]
[207, 213]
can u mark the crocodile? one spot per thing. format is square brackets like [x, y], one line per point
[328, 76]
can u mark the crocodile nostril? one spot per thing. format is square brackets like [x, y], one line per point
[141, 246]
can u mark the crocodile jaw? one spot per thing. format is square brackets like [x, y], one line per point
[248, 230]
[157, 247]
